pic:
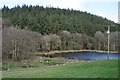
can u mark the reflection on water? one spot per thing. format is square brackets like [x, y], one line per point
[91, 55]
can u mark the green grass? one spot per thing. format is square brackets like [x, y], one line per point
[92, 69]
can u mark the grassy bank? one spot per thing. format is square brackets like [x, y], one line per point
[84, 69]
[67, 51]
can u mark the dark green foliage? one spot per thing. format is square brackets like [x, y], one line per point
[61, 29]
[51, 20]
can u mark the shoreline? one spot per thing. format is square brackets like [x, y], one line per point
[67, 51]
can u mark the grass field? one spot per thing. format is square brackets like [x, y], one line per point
[84, 69]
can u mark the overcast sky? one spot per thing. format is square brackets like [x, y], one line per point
[104, 8]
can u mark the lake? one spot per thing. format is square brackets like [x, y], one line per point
[90, 55]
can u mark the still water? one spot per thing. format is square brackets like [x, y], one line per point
[91, 55]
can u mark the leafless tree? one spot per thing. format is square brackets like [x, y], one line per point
[85, 41]
[55, 42]
[18, 44]
[114, 41]
[77, 41]
[65, 40]
[99, 36]
[45, 43]
[51, 42]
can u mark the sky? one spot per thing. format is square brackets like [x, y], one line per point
[104, 8]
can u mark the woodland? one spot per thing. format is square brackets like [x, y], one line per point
[30, 29]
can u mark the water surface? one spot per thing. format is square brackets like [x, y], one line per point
[91, 55]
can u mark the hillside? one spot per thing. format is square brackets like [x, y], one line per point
[30, 29]
[52, 20]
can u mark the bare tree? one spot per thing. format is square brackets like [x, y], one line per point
[65, 40]
[18, 44]
[91, 42]
[45, 43]
[51, 42]
[85, 41]
[55, 42]
[77, 41]
[114, 41]
[99, 36]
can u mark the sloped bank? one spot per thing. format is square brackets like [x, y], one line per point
[55, 53]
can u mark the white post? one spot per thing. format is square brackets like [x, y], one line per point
[108, 42]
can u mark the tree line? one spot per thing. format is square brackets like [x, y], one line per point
[20, 44]
[46, 20]
[30, 29]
